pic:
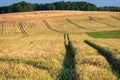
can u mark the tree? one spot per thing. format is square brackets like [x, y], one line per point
[68, 5]
[85, 6]
[49, 7]
[19, 8]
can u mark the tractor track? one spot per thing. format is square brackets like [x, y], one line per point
[69, 62]
[114, 62]
[35, 64]
[63, 32]
[75, 24]
[50, 28]
[2, 28]
[22, 28]
[91, 18]
[115, 18]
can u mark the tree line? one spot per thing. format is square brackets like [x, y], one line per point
[83, 6]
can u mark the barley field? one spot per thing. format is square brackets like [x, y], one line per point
[60, 45]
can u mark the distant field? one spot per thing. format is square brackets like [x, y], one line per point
[107, 34]
[53, 45]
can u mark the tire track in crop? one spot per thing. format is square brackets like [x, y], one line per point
[69, 72]
[115, 18]
[50, 28]
[63, 32]
[35, 64]
[75, 24]
[21, 47]
[26, 45]
[112, 60]
[13, 25]
[1, 28]
[22, 28]
[91, 18]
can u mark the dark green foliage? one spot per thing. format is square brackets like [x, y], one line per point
[107, 34]
[113, 61]
[17, 7]
[84, 6]
[112, 8]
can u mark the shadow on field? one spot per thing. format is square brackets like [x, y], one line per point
[68, 72]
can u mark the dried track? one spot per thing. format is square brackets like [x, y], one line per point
[75, 24]
[1, 28]
[63, 32]
[115, 18]
[22, 28]
[91, 18]
[50, 28]
[27, 62]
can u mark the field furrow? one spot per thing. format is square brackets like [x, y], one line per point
[118, 19]
[21, 28]
[68, 71]
[49, 27]
[93, 19]
[75, 24]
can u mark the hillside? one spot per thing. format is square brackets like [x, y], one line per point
[60, 45]
[78, 6]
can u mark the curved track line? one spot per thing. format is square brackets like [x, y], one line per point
[50, 28]
[112, 60]
[63, 32]
[1, 28]
[22, 28]
[75, 24]
[91, 18]
[115, 18]
[27, 62]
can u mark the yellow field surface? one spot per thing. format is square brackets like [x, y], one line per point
[33, 45]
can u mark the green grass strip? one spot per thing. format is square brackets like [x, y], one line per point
[105, 34]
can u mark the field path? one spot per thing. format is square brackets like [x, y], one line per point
[49, 27]
[69, 62]
[115, 63]
[22, 28]
[75, 24]
[115, 18]
[1, 28]
[91, 18]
